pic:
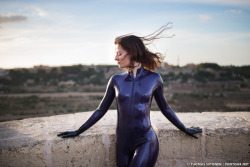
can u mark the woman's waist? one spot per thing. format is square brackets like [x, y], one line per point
[134, 137]
[130, 129]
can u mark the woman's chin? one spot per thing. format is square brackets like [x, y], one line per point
[120, 66]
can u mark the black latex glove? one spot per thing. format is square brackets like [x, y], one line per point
[68, 134]
[192, 130]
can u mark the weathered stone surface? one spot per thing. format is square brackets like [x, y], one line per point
[33, 142]
[175, 144]
[79, 151]
[23, 156]
[227, 143]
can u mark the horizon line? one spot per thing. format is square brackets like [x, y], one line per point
[45, 65]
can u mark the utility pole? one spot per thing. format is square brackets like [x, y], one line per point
[178, 61]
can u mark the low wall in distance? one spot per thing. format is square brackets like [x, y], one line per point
[33, 141]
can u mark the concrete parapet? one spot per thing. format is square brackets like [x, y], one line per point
[33, 142]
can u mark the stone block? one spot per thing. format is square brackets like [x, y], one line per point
[227, 143]
[85, 151]
[176, 144]
[30, 155]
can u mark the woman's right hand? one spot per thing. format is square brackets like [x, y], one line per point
[68, 134]
[192, 130]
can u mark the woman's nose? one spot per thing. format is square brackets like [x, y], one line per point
[116, 58]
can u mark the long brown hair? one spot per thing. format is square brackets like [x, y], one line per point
[136, 48]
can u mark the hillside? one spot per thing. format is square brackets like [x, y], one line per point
[44, 90]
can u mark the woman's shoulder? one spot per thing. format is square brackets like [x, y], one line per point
[154, 74]
[120, 75]
[117, 76]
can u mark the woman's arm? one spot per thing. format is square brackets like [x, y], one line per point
[98, 114]
[169, 113]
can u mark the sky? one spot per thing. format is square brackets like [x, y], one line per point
[57, 32]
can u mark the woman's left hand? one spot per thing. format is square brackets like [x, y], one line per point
[192, 130]
[68, 134]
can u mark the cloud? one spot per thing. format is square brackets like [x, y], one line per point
[234, 11]
[39, 11]
[10, 18]
[241, 3]
[204, 17]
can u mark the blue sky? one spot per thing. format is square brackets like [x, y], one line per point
[60, 32]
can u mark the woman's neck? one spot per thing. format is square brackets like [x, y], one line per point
[136, 66]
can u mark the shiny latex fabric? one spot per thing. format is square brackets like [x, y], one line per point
[136, 141]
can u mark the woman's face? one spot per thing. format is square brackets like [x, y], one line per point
[122, 57]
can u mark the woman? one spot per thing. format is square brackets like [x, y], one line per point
[136, 142]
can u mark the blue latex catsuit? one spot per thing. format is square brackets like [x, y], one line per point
[136, 142]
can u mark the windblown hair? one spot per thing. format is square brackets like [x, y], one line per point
[137, 50]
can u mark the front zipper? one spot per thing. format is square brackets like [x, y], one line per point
[133, 80]
[132, 94]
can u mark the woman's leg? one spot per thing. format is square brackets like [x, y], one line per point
[123, 156]
[146, 154]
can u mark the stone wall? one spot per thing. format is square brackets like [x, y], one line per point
[33, 142]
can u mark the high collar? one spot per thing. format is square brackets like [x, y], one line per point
[139, 72]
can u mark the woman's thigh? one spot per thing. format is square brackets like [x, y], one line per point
[146, 154]
[123, 156]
